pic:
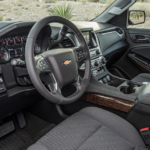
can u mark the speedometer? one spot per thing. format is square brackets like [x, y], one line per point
[4, 55]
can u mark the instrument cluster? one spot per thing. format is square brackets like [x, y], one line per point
[12, 41]
[13, 47]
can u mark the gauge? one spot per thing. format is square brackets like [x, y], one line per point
[10, 41]
[36, 48]
[4, 55]
[2, 41]
[24, 39]
[18, 40]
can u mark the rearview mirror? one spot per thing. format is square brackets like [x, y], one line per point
[136, 17]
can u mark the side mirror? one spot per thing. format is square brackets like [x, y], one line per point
[136, 17]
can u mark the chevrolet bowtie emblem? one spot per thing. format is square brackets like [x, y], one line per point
[67, 62]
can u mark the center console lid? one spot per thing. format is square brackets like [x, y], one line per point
[144, 95]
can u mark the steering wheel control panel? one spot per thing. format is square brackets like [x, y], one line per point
[42, 65]
[80, 54]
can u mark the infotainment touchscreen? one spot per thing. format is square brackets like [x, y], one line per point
[86, 36]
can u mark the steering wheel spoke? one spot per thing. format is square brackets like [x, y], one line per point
[49, 80]
[54, 88]
[79, 81]
[53, 85]
[80, 53]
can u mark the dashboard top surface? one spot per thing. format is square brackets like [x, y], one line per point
[87, 25]
[6, 27]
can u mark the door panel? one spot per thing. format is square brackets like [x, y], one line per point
[142, 51]
[136, 60]
[139, 61]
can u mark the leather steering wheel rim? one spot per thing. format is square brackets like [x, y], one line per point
[33, 71]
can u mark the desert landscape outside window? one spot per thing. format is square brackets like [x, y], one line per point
[75, 10]
[142, 5]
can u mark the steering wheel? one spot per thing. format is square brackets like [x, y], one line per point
[60, 66]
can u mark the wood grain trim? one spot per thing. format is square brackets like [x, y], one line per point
[143, 65]
[110, 102]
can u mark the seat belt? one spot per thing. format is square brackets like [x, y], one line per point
[145, 133]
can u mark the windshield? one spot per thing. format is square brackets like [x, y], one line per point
[81, 10]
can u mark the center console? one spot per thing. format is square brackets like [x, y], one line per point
[110, 84]
[110, 91]
[102, 77]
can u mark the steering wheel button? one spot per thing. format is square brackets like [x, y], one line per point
[41, 63]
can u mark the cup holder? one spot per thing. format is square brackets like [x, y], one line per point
[129, 88]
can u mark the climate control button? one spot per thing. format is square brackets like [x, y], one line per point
[96, 63]
[104, 60]
[97, 52]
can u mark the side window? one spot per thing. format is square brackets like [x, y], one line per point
[139, 15]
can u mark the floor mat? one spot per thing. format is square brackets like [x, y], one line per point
[11, 142]
[21, 139]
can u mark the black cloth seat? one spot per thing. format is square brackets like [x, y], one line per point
[91, 129]
[143, 77]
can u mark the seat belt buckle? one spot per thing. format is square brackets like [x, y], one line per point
[145, 133]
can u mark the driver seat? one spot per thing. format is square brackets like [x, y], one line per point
[91, 129]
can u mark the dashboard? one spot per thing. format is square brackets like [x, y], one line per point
[16, 90]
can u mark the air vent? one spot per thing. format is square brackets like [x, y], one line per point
[67, 43]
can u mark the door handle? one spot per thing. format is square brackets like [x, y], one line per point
[144, 40]
[141, 38]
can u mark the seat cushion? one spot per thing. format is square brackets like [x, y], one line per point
[143, 77]
[92, 129]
